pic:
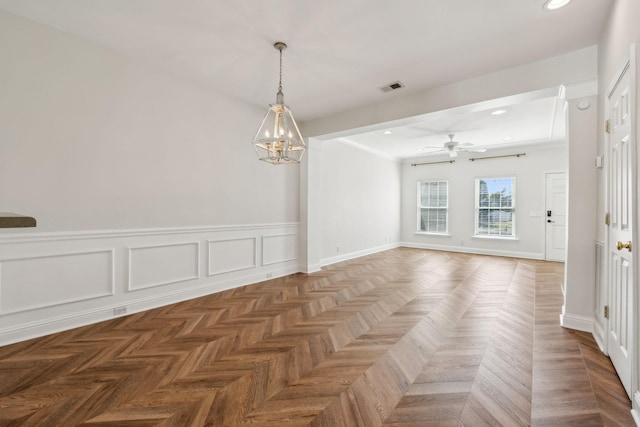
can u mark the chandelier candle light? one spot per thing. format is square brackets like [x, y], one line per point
[278, 139]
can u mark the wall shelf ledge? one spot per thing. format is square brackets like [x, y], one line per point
[12, 220]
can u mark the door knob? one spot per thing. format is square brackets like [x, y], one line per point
[621, 245]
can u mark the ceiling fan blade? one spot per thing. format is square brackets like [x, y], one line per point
[474, 150]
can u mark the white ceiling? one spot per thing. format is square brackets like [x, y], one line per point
[514, 121]
[340, 52]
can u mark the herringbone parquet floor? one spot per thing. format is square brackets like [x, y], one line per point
[405, 337]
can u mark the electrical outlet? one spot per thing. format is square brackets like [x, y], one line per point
[337, 249]
[120, 310]
[269, 275]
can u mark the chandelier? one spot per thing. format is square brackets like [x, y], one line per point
[278, 139]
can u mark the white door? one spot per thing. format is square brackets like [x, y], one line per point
[621, 158]
[555, 216]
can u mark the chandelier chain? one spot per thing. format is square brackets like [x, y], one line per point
[280, 84]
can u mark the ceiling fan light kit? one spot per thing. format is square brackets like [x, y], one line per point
[454, 147]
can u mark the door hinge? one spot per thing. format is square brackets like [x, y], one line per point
[607, 219]
[606, 311]
[607, 126]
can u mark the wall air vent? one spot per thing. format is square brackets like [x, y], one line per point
[392, 86]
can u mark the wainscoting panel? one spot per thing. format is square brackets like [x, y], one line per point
[229, 255]
[29, 283]
[163, 264]
[50, 282]
[279, 248]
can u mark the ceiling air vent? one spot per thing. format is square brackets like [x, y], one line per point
[392, 86]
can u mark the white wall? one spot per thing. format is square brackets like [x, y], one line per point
[145, 187]
[92, 140]
[360, 202]
[529, 172]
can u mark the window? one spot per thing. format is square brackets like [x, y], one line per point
[433, 206]
[495, 207]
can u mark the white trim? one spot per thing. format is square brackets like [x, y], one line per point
[635, 412]
[600, 323]
[93, 234]
[581, 89]
[492, 237]
[477, 251]
[598, 333]
[357, 254]
[109, 251]
[211, 272]
[574, 321]
[635, 131]
[311, 268]
[283, 260]
[131, 249]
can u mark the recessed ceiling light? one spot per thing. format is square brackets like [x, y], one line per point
[555, 4]
[507, 138]
[498, 112]
[387, 132]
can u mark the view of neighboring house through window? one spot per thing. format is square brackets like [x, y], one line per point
[433, 206]
[495, 204]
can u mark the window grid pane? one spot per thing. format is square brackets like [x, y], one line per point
[495, 207]
[433, 220]
[433, 206]
[433, 194]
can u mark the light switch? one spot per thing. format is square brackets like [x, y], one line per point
[598, 162]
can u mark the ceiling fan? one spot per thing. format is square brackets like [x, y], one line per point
[454, 147]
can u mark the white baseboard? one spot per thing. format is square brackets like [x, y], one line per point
[598, 336]
[460, 249]
[579, 323]
[635, 412]
[470, 250]
[311, 268]
[357, 254]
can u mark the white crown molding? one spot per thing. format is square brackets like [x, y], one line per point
[581, 89]
[96, 234]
